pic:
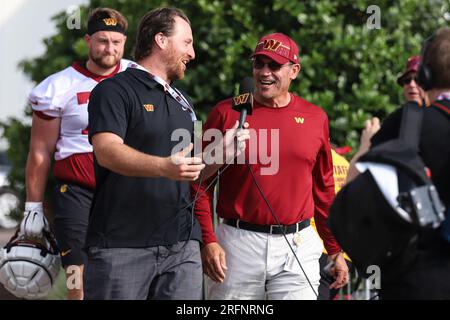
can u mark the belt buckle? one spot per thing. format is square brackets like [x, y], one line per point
[281, 227]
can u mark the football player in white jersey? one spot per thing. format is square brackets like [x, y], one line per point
[59, 129]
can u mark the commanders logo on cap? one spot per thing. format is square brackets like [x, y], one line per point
[274, 46]
[279, 47]
[271, 44]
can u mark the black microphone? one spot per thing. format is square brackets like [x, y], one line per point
[243, 102]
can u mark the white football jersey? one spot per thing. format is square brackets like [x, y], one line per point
[65, 95]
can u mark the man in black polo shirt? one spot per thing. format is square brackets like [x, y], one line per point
[428, 277]
[142, 241]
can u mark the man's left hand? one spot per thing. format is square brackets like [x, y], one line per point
[234, 141]
[339, 271]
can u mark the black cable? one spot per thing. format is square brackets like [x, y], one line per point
[265, 200]
[219, 172]
[193, 207]
[279, 225]
[197, 196]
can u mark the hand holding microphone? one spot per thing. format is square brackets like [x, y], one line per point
[236, 136]
[234, 141]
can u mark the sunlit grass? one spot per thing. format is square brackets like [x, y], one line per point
[59, 290]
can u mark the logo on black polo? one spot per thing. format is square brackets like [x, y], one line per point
[149, 107]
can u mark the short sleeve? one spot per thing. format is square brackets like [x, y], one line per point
[45, 98]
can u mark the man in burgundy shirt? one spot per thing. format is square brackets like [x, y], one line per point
[248, 256]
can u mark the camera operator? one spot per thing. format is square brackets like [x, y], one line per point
[428, 277]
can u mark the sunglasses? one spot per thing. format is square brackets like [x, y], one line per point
[272, 65]
[408, 80]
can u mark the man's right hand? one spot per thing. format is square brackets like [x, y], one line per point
[34, 222]
[370, 128]
[181, 168]
[213, 259]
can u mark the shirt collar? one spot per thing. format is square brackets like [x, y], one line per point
[143, 76]
[81, 68]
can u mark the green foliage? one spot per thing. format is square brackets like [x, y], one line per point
[16, 133]
[347, 69]
[59, 289]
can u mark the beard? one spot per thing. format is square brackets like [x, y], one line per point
[105, 61]
[175, 68]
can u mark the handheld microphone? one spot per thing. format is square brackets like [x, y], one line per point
[243, 102]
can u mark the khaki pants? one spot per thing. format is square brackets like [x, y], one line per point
[262, 266]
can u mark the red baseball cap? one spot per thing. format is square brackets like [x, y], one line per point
[412, 65]
[278, 47]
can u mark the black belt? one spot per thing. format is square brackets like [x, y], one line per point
[271, 229]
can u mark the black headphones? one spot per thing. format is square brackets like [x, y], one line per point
[424, 75]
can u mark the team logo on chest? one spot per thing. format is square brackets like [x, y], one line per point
[299, 120]
[149, 107]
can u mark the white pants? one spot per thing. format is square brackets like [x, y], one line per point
[262, 266]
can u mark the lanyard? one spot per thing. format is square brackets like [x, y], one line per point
[173, 92]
